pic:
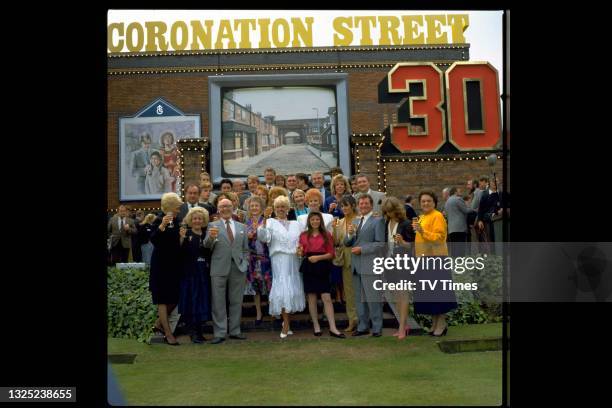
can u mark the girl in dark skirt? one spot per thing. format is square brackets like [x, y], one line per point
[194, 300]
[165, 272]
[317, 248]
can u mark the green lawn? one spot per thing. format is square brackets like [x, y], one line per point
[323, 371]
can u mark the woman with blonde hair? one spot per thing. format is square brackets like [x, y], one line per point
[145, 228]
[277, 192]
[282, 236]
[339, 187]
[299, 199]
[399, 238]
[165, 272]
[194, 299]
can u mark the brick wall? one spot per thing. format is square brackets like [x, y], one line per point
[189, 92]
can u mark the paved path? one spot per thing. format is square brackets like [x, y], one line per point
[285, 159]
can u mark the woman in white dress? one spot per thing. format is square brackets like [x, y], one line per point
[314, 201]
[282, 237]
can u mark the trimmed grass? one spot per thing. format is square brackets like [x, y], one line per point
[361, 371]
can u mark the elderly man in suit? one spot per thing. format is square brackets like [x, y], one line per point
[363, 187]
[140, 161]
[456, 213]
[366, 237]
[228, 242]
[121, 227]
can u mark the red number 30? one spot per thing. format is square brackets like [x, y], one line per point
[473, 106]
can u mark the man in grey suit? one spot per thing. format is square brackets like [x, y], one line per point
[121, 227]
[482, 186]
[228, 242]
[141, 160]
[366, 236]
[456, 213]
[363, 186]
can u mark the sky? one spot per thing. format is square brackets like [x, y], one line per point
[288, 102]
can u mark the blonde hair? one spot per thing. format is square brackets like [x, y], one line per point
[265, 190]
[277, 191]
[258, 200]
[337, 178]
[199, 210]
[148, 219]
[170, 201]
[281, 200]
[392, 206]
[206, 185]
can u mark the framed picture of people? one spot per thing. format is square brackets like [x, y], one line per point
[148, 151]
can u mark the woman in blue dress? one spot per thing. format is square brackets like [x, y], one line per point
[194, 300]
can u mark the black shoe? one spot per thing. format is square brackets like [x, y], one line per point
[238, 337]
[197, 338]
[441, 334]
[170, 344]
[217, 340]
[360, 333]
[317, 333]
[339, 336]
[258, 322]
[377, 334]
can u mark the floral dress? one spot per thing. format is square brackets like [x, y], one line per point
[259, 274]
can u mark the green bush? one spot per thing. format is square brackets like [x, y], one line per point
[481, 306]
[131, 313]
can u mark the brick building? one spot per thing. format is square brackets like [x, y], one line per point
[134, 80]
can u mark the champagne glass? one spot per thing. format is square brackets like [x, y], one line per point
[416, 220]
[171, 223]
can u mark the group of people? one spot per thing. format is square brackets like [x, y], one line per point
[290, 239]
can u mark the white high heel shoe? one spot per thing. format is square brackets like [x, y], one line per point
[289, 332]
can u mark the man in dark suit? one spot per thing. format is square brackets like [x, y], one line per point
[318, 182]
[490, 206]
[410, 212]
[121, 227]
[192, 196]
[140, 160]
[366, 237]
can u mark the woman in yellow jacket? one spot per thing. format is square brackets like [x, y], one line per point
[430, 241]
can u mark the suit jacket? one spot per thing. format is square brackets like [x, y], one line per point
[185, 209]
[456, 213]
[489, 203]
[404, 229]
[410, 213]
[371, 239]
[117, 234]
[223, 252]
[476, 198]
[377, 197]
[140, 159]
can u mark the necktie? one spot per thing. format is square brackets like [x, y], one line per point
[230, 234]
[121, 224]
[359, 226]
